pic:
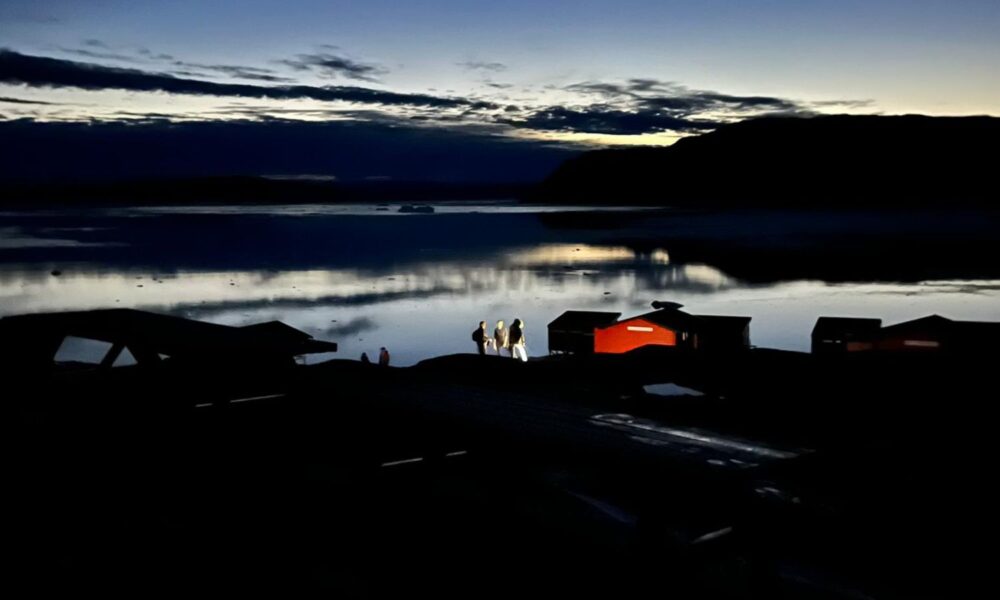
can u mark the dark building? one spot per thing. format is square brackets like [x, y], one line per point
[716, 332]
[836, 335]
[935, 333]
[920, 335]
[573, 331]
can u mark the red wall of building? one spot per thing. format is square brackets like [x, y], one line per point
[619, 338]
[910, 343]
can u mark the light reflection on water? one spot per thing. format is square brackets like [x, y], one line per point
[424, 309]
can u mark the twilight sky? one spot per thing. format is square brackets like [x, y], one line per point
[622, 72]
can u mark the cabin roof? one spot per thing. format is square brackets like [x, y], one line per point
[165, 334]
[575, 320]
[834, 326]
[938, 325]
[678, 319]
[666, 317]
[928, 324]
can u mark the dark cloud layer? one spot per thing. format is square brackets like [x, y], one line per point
[475, 65]
[101, 54]
[237, 71]
[10, 100]
[679, 101]
[38, 71]
[97, 49]
[646, 105]
[146, 52]
[607, 121]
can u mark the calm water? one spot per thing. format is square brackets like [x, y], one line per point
[418, 284]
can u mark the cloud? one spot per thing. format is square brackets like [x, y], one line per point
[100, 50]
[593, 87]
[237, 71]
[45, 72]
[646, 105]
[669, 96]
[842, 104]
[332, 65]
[154, 55]
[10, 100]
[99, 54]
[606, 120]
[475, 65]
[648, 85]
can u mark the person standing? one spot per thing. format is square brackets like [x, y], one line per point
[501, 337]
[383, 357]
[518, 344]
[481, 338]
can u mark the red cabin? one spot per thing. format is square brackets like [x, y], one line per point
[673, 328]
[633, 333]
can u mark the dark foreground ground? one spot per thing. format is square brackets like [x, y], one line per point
[790, 478]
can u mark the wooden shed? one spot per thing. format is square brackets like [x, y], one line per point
[573, 331]
[837, 335]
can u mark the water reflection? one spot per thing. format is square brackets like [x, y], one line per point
[419, 284]
[427, 309]
[49, 237]
[583, 254]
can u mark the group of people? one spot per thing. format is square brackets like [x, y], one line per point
[383, 357]
[512, 339]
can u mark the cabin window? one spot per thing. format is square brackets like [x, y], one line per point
[921, 344]
[82, 350]
[642, 329]
[125, 359]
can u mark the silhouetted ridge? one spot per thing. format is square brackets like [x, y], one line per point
[796, 161]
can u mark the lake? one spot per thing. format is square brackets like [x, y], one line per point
[367, 276]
